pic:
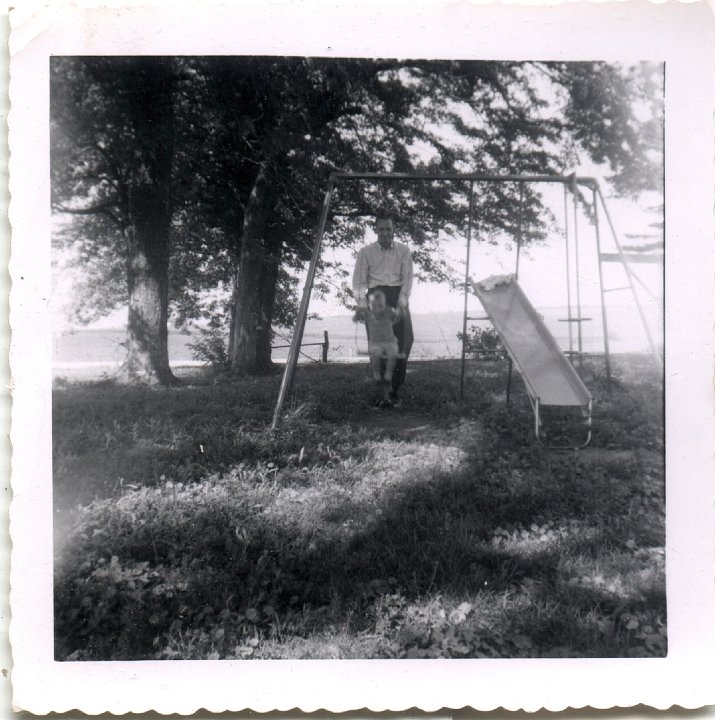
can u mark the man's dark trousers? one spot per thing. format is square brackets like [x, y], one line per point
[403, 333]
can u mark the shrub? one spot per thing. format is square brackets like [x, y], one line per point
[483, 344]
[212, 348]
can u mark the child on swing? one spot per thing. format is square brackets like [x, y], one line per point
[382, 343]
[386, 265]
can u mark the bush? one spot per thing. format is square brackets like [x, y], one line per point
[212, 348]
[483, 344]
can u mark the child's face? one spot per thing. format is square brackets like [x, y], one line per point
[377, 302]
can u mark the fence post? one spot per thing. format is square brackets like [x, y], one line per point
[326, 345]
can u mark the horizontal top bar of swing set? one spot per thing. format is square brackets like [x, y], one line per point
[469, 177]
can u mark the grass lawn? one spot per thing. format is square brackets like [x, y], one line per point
[185, 529]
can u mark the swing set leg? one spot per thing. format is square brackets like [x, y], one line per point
[538, 425]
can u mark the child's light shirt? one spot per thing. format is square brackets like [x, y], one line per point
[380, 332]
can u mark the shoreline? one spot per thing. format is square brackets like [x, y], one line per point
[89, 371]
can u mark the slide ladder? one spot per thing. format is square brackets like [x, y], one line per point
[550, 379]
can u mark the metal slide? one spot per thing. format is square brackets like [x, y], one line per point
[550, 379]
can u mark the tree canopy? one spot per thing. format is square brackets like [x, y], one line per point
[249, 142]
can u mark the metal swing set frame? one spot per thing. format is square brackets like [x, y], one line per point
[571, 183]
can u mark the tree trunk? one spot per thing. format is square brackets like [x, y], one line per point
[149, 205]
[267, 296]
[147, 356]
[248, 318]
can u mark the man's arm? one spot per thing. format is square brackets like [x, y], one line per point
[407, 273]
[360, 279]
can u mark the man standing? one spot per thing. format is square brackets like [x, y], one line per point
[387, 265]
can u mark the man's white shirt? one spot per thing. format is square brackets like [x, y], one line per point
[376, 265]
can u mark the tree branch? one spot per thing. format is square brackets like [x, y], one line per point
[91, 210]
[102, 208]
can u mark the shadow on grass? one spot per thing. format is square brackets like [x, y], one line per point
[495, 538]
[445, 533]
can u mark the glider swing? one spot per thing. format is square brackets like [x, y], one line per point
[561, 373]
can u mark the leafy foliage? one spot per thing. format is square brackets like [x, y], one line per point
[595, 93]
[212, 349]
[483, 344]
[303, 117]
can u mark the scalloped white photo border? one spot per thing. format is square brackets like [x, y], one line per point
[680, 34]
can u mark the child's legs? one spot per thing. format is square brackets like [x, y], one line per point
[404, 334]
[376, 364]
[390, 367]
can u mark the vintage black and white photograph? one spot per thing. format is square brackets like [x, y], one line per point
[361, 357]
[357, 358]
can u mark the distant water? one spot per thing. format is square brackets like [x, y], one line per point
[436, 333]
[435, 336]
[92, 346]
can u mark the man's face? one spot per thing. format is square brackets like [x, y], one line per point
[385, 232]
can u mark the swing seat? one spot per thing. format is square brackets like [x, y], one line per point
[550, 379]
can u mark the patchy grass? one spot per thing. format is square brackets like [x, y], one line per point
[186, 529]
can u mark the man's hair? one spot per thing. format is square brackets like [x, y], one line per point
[384, 214]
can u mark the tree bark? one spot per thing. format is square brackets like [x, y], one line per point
[267, 296]
[249, 322]
[149, 206]
[147, 357]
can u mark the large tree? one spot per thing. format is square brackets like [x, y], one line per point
[112, 153]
